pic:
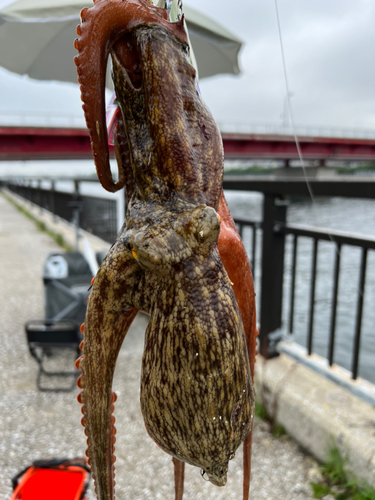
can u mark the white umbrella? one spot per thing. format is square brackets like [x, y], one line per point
[36, 38]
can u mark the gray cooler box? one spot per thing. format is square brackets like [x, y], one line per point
[67, 278]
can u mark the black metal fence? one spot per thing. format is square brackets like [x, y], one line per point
[274, 237]
[274, 231]
[96, 215]
[338, 240]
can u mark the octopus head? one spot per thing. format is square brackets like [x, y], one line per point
[217, 475]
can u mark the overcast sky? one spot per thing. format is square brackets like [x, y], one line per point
[330, 57]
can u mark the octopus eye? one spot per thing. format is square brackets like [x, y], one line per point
[223, 471]
[203, 474]
[208, 225]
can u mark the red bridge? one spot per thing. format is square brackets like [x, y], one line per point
[31, 143]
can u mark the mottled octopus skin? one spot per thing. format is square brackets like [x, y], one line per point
[197, 396]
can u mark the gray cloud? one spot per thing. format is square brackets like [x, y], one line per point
[329, 51]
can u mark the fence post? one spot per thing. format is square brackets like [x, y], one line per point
[52, 200]
[40, 196]
[31, 192]
[77, 206]
[273, 246]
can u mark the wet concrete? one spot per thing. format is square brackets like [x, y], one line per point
[36, 425]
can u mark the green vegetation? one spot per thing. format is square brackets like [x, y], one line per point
[57, 237]
[255, 170]
[260, 411]
[365, 168]
[339, 482]
[277, 430]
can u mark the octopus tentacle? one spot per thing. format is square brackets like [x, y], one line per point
[236, 263]
[101, 26]
[97, 401]
[108, 319]
[179, 478]
[122, 153]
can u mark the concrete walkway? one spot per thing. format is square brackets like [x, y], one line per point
[36, 425]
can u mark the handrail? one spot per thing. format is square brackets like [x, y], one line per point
[342, 237]
[18, 117]
[339, 237]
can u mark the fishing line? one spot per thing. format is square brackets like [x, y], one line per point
[291, 115]
[288, 95]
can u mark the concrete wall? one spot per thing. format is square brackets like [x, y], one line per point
[318, 413]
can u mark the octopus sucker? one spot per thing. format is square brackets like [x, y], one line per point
[178, 256]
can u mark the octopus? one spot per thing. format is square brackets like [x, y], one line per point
[178, 256]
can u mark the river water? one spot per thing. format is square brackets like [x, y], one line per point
[350, 215]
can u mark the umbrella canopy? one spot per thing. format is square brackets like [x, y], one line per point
[36, 38]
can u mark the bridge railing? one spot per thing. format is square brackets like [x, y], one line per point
[299, 130]
[17, 118]
[10, 118]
